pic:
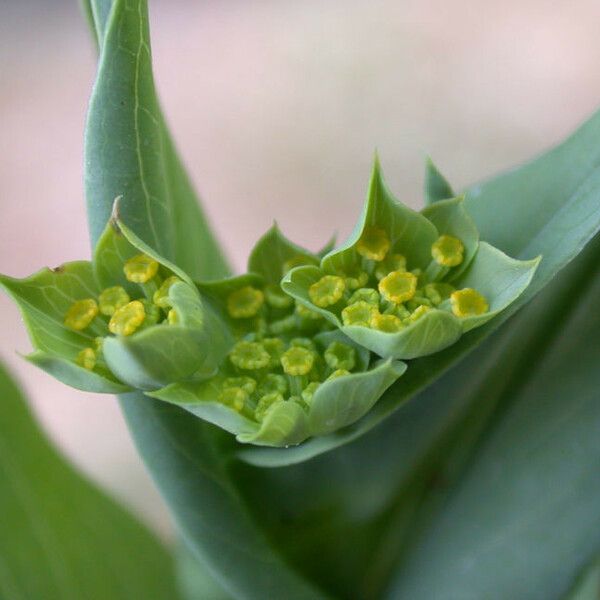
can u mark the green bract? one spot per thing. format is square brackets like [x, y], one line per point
[406, 283]
[288, 376]
[239, 353]
[96, 328]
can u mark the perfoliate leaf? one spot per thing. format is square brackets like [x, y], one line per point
[274, 255]
[403, 257]
[411, 234]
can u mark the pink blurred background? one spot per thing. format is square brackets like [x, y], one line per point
[277, 107]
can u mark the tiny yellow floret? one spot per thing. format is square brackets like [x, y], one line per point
[297, 361]
[398, 286]
[173, 317]
[468, 303]
[360, 313]
[81, 314]
[265, 404]
[273, 382]
[111, 299]
[387, 323]
[309, 391]
[249, 356]
[235, 397]
[161, 295]
[447, 251]
[357, 280]
[275, 347]
[340, 356]
[276, 297]
[373, 244]
[245, 302]
[368, 295]
[127, 319]
[338, 373]
[246, 383]
[86, 359]
[393, 262]
[306, 313]
[327, 291]
[140, 268]
[417, 314]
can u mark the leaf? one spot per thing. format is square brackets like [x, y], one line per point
[60, 537]
[128, 152]
[567, 180]
[273, 252]
[436, 185]
[587, 586]
[523, 517]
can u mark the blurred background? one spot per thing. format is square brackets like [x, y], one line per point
[277, 107]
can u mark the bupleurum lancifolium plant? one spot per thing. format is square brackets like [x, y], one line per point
[300, 346]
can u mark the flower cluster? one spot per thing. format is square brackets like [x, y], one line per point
[301, 345]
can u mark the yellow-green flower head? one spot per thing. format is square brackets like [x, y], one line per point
[306, 313]
[276, 297]
[387, 323]
[265, 403]
[438, 292]
[398, 286]
[111, 299]
[392, 262]
[327, 291]
[173, 317]
[161, 295]
[275, 347]
[235, 397]
[273, 382]
[297, 361]
[356, 280]
[152, 313]
[245, 302]
[249, 356]
[338, 373]
[245, 383]
[417, 314]
[360, 313]
[374, 243]
[340, 356]
[81, 314]
[127, 319]
[86, 359]
[140, 268]
[309, 391]
[368, 295]
[468, 303]
[448, 251]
